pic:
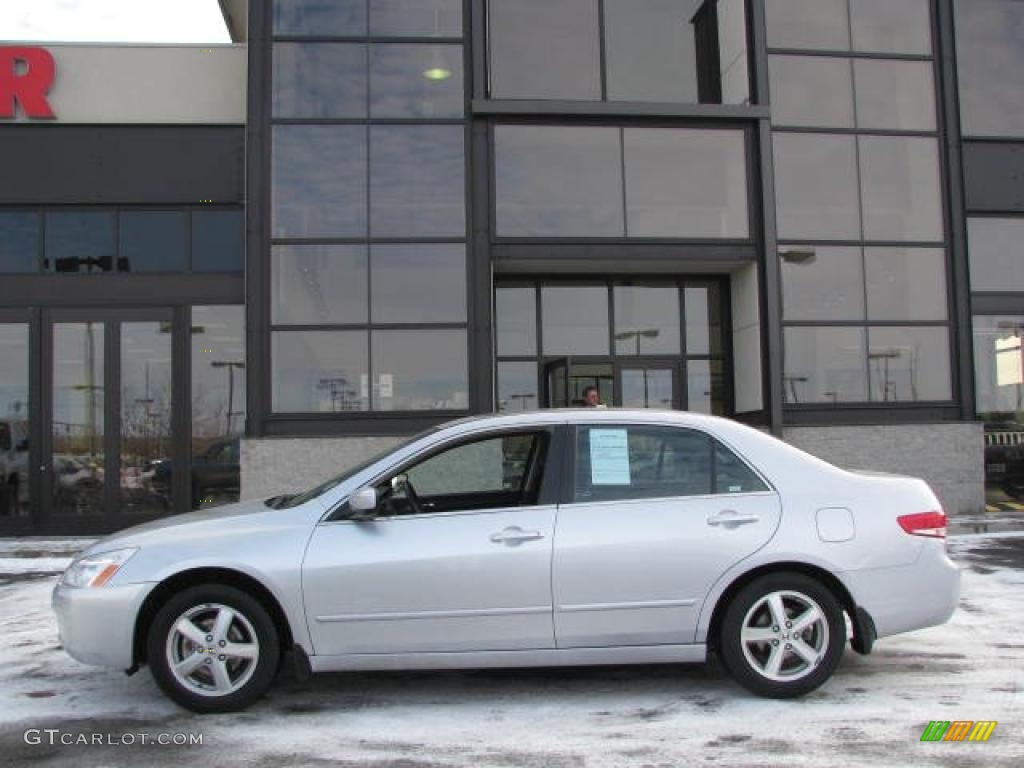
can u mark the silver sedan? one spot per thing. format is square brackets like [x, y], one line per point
[554, 538]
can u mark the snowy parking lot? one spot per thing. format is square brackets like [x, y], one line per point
[871, 713]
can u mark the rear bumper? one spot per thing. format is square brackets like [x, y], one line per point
[909, 597]
[97, 626]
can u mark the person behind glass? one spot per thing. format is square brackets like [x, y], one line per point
[592, 398]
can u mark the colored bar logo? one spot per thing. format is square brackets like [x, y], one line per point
[958, 730]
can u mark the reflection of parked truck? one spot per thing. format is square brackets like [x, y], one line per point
[215, 474]
[13, 466]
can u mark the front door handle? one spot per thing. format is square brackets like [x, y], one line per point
[730, 518]
[515, 535]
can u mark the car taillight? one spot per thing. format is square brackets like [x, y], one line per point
[931, 524]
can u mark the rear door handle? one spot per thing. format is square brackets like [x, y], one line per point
[730, 518]
[515, 535]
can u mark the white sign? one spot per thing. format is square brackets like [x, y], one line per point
[609, 457]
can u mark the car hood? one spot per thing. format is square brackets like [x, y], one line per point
[233, 519]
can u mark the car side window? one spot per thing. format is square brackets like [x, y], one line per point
[615, 462]
[732, 475]
[487, 473]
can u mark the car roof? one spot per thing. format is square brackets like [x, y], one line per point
[589, 415]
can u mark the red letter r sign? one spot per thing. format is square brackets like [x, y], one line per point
[26, 74]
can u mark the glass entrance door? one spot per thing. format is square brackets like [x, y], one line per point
[108, 418]
[648, 386]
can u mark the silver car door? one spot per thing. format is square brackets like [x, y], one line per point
[459, 559]
[649, 529]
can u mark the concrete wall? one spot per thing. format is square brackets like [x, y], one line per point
[949, 456]
[276, 465]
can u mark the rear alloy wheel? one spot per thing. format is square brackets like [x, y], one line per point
[783, 635]
[213, 648]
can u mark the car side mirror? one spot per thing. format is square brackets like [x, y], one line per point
[399, 483]
[363, 504]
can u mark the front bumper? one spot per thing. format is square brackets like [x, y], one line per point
[97, 625]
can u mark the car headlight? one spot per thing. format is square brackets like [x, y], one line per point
[96, 570]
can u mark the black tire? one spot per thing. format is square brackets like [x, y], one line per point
[163, 639]
[827, 637]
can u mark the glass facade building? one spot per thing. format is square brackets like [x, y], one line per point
[803, 214]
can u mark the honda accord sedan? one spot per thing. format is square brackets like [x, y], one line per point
[573, 537]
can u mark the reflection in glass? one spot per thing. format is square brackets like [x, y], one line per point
[152, 241]
[822, 282]
[416, 81]
[77, 422]
[649, 50]
[909, 364]
[517, 387]
[811, 91]
[319, 371]
[705, 387]
[558, 181]
[703, 308]
[646, 320]
[19, 242]
[416, 18]
[218, 403]
[575, 319]
[900, 188]
[319, 80]
[544, 50]
[906, 283]
[999, 396]
[145, 418]
[897, 95]
[424, 283]
[685, 183]
[515, 313]
[817, 24]
[996, 253]
[420, 370]
[319, 17]
[824, 365]
[318, 187]
[218, 241]
[647, 387]
[15, 500]
[318, 284]
[816, 186]
[891, 26]
[80, 242]
[417, 181]
[990, 58]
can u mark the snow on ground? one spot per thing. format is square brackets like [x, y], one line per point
[871, 713]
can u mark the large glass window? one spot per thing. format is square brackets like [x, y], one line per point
[416, 81]
[908, 364]
[420, 370]
[558, 181]
[575, 319]
[567, 181]
[906, 284]
[817, 24]
[816, 186]
[418, 283]
[218, 241]
[990, 60]
[80, 242]
[517, 386]
[516, 320]
[152, 241]
[646, 320]
[871, 26]
[319, 80]
[894, 95]
[822, 283]
[663, 196]
[417, 181]
[811, 91]
[319, 181]
[824, 365]
[319, 284]
[544, 49]
[901, 188]
[324, 371]
[662, 68]
[218, 403]
[19, 241]
[15, 500]
[319, 17]
[996, 253]
[891, 26]
[416, 18]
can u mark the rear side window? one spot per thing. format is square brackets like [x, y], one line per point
[640, 462]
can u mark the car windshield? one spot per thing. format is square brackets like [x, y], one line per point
[290, 500]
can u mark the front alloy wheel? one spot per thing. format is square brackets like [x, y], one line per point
[213, 648]
[783, 635]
